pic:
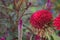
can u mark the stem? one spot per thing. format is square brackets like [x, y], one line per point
[19, 21]
[31, 37]
[6, 8]
[20, 32]
[49, 4]
[18, 4]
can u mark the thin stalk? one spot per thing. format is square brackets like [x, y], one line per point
[20, 32]
[31, 37]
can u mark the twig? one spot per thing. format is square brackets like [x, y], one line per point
[31, 37]
[17, 7]
[18, 4]
[19, 18]
[6, 7]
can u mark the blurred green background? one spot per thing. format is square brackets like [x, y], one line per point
[9, 17]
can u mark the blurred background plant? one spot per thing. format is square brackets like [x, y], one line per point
[12, 12]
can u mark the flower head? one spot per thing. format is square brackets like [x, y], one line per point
[56, 22]
[40, 18]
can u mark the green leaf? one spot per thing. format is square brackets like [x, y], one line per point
[9, 38]
[55, 37]
[33, 9]
[10, 6]
[52, 38]
[48, 36]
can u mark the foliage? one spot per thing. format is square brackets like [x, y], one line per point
[11, 11]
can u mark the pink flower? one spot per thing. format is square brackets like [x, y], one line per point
[40, 18]
[56, 23]
[2, 38]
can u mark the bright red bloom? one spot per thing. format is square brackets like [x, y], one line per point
[40, 18]
[56, 22]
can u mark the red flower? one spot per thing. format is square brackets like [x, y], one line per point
[56, 22]
[37, 37]
[40, 18]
